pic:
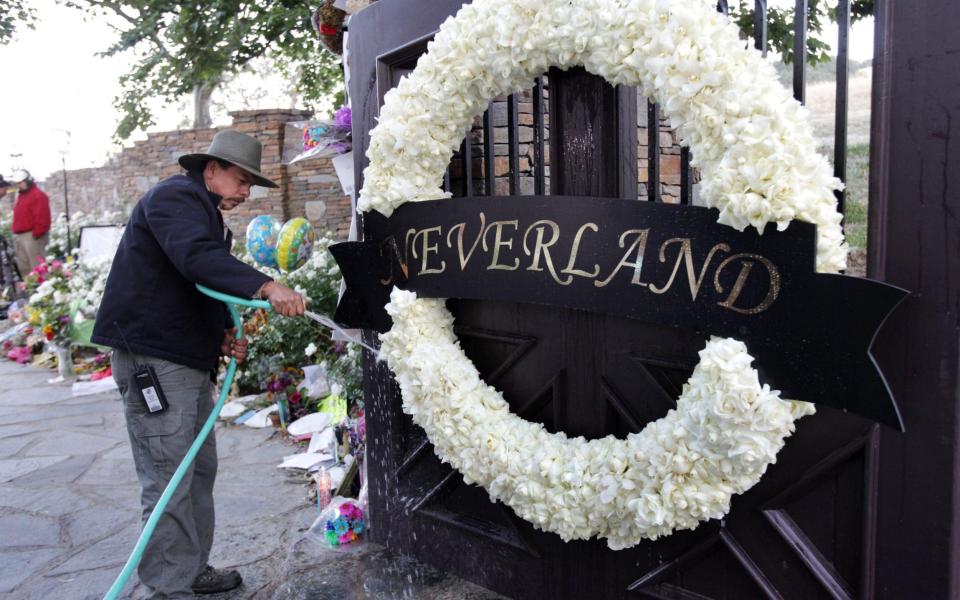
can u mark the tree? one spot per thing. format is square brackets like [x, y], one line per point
[14, 13]
[191, 48]
[780, 26]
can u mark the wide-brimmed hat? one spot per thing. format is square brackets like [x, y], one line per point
[234, 147]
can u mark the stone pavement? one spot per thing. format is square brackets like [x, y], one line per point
[69, 513]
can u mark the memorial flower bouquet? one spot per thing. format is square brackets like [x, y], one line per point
[86, 287]
[48, 308]
[278, 342]
[345, 524]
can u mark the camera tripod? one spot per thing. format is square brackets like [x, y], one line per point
[10, 274]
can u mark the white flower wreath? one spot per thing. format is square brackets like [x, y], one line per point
[754, 146]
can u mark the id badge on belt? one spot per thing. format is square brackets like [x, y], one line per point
[149, 387]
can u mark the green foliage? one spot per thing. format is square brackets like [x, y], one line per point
[181, 47]
[278, 342]
[780, 26]
[13, 14]
[855, 212]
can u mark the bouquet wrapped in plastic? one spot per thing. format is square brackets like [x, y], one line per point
[344, 523]
[320, 138]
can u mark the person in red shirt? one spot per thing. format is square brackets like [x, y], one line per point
[31, 221]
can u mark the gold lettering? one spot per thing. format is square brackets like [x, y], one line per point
[406, 245]
[427, 250]
[497, 243]
[686, 255]
[640, 245]
[576, 249]
[464, 259]
[772, 293]
[543, 249]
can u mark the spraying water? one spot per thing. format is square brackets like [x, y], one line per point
[331, 324]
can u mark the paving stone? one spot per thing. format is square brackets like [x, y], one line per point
[45, 417]
[19, 565]
[98, 522]
[88, 487]
[111, 552]
[57, 421]
[70, 442]
[366, 572]
[93, 400]
[33, 394]
[48, 502]
[10, 368]
[105, 471]
[234, 439]
[86, 585]
[18, 429]
[13, 445]
[126, 495]
[23, 530]
[12, 468]
[254, 503]
[59, 473]
[121, 452]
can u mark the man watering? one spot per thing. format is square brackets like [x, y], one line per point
[164, 331]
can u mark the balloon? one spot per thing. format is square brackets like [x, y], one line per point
[295, 244]
[262, 235]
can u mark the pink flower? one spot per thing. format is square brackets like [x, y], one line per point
[20, 354]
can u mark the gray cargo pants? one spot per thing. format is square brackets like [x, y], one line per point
[181, 541]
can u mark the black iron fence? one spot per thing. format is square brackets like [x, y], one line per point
[519, 162]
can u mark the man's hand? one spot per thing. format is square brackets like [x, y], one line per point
[283, 300]
[231, 346]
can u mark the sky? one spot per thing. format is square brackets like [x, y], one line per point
[54, 84]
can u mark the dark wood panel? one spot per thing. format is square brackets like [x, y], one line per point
[915, 243]
[805, 531]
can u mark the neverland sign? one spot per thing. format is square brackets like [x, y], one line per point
[672, 265]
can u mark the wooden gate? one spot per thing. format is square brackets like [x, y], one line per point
[809, 529]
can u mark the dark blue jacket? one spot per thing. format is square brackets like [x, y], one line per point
[175, 238]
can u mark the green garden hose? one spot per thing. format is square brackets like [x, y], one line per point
[158, 510]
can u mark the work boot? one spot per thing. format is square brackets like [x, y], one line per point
[213, 581]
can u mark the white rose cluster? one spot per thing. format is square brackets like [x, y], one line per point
[680, 470]
[87, 284]
[755, 147]
[751, 139]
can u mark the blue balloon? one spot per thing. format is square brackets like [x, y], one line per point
[262, 235]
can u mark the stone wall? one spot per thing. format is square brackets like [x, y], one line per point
[306, 187]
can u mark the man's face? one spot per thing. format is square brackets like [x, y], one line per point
[232, 183]
[23, 185]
